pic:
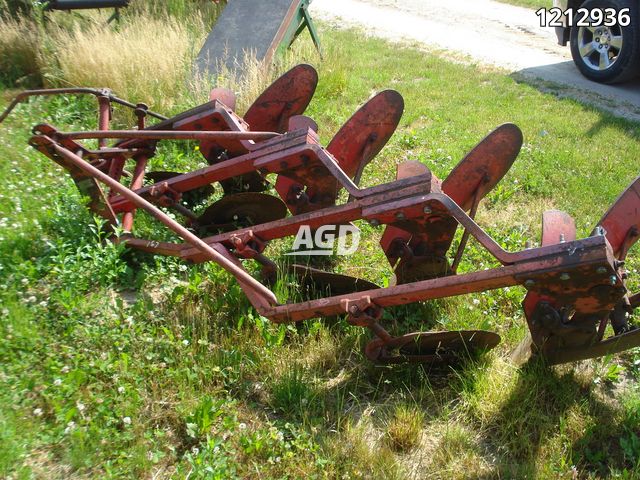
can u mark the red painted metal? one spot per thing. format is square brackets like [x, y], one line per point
[484, 166]
[261, 295]
[357, 142]
[622, 221]
[574, 285]
[417, 247]
[362, 137]
[289, 95]
[557, 227]
[223, 95]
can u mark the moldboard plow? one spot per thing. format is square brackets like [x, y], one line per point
[277, 178]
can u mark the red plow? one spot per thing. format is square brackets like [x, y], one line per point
[277, 178]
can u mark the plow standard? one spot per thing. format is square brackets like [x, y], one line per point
[277, 177]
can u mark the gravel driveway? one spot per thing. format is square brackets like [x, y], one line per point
[483, 31]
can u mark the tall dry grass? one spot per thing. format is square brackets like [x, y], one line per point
[149, 57]
[146, 60]
[19, 52]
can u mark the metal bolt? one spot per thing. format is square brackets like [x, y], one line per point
[529, 283]
[562, 240]
[601, 270]
[427, 209]
[374, 222]
[565, 276]
[613, 279]
[353, 309]
[400, 216]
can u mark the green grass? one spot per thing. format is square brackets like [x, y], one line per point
[184, 379]
[534, 4]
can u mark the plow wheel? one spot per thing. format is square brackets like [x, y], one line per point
[357, 142]
[192, 197]
[335, 283]
[431, 347]
[241, 210]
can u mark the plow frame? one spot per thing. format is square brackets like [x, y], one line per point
[584, 274]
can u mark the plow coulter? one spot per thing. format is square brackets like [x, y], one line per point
[277, 178]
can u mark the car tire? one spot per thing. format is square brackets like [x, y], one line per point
[615, 58]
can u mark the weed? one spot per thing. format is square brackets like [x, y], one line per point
[187, 380]
[405, 427]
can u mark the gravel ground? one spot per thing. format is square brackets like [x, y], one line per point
[483, 31]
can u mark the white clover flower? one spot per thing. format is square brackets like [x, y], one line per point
[126, 420]
[70, 426]
[80, 406]
[24, 281]
[65, 369]
[43, 303]
[32, 299]
[476, 301]
[242, 426]
[185, 342]
[38, 412]
[120, 389]
[57, 382]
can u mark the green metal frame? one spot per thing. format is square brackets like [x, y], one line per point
[301, 20]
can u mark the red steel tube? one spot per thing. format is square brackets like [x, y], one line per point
[241, 275]
[136, 183]
[168, 135]
[104, 115]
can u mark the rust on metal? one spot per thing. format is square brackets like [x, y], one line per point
[431, 347]
[576, 287]
[241, 210]
[288, 96]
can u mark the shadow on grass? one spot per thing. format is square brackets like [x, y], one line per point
[553, 415]
[617, 103]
